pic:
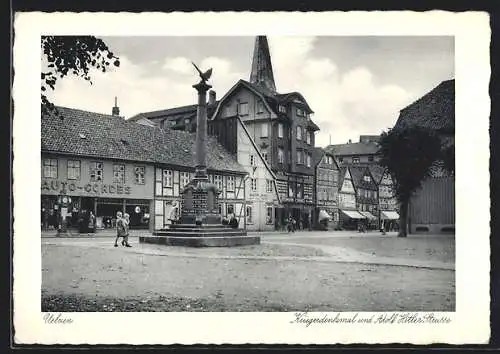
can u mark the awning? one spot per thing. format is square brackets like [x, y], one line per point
[368, 215]
[324, 215]
[353, 214]
[389, 215]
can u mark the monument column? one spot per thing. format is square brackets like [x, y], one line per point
[201, 131]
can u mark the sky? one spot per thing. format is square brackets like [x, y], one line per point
[354, 85]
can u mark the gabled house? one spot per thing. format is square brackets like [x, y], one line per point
[349, 217]
[366, 192]
[261, 194]
[387, 202]
[325, 187]
[280, 125]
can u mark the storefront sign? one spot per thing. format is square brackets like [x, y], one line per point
[92, 188]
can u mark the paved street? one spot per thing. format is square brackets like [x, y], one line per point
[313, 271]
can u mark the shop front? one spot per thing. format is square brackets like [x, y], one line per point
[114, 187]
[351, 219]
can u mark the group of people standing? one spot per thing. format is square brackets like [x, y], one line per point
[122, 228]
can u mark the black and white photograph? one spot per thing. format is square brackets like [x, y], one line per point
[317, 180]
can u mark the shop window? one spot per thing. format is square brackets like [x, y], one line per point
[74, 169]
[119, 173]
[269, 185]
[140, 172]
[269, 215]
[253, 184]
[230, 183]
[281, 155]
[243, 109]
[96, 174]
[280, 130]
[184, 179]
[49, 168]
[167, 178]
[249, 215]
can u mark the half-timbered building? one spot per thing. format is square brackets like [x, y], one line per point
[103, 163]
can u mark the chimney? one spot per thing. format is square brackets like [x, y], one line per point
[116, 110]
[211, 97]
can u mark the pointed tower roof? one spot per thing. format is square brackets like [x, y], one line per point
[262, 69]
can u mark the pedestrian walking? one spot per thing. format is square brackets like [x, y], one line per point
[91, 224]
[126, 218]
[120, 228]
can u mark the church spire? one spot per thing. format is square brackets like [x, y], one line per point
[262, 69]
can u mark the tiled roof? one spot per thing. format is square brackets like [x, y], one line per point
[435, 110]
[104, 136]
[357, 173]
[377, 172]
[342, 172]
[353, 149]
[317, 155]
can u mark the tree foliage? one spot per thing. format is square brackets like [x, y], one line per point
[408, 154]
[72, 55]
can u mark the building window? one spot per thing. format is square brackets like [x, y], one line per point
[366, 178]
[264, 133]
[280, 130]
[300, 112]
[269, 215]
[95, 171]
[74, 169]
[269, 185]
[229, 209]
[50, 168]
[308, 138]
[260, 107]
[299, 157]
[167, 178]
[355, 159]
[243, 108]
[249, 215]
[140, 172]
[218, 181]
[118, 173]
[281, 155]
[253, 184]
[299, 133]
[227, 111]
[308, 157]
[264, 155]
[230, 183]
[184, 179]
[341, 159]
[370, 158]
[282, 109]
[252, 160]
